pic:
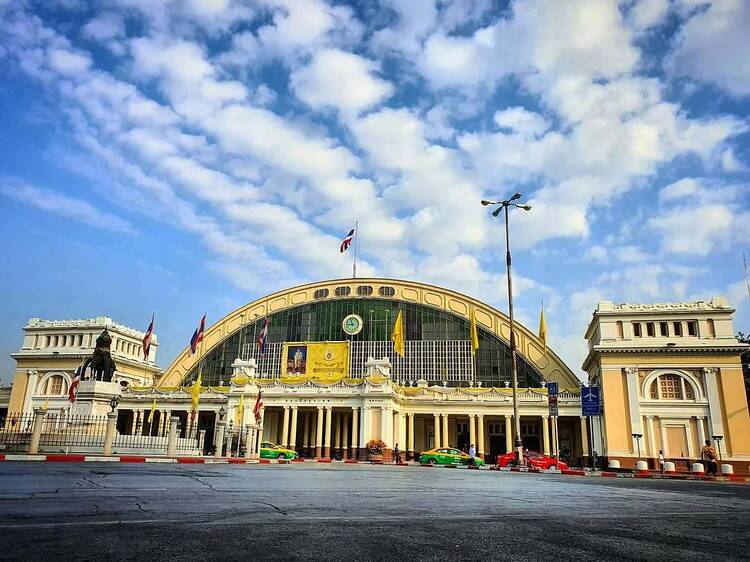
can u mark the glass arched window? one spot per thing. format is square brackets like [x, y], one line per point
[55, 385]
[671, 387]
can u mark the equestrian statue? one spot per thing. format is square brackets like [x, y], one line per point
[101, 363]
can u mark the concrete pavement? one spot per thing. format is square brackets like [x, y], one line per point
[359, 512]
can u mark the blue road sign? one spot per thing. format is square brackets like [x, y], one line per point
[591, 404]
[552, 388]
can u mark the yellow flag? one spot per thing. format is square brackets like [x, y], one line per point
[240, 410]
[543, 329]
[196, 391]
[151, 413]
[45, 406]
[474, 333]
[399, 335]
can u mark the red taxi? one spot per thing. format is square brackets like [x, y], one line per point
[534, 459]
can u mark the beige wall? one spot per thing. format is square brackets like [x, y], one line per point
[735, 411]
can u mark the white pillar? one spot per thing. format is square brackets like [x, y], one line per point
[472, 430]
[663, 431]
[355, 431]
[652, 450]
[293, 434]
[437, 430]
[337, 432]
[345, 435]
[410, 443]
[545, 434]
[327, 440]
[446, 435]
[285, 428]
[714, 400]
[480, 435]
[584, 437]
[402, 431]
[365, 427]
[701, 432]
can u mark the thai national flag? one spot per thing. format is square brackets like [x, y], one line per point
[347, 241]
[258, 406]
[147, 339]
[263, 336]
[73, 391]
[198, 335]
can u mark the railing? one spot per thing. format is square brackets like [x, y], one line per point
[87, 435]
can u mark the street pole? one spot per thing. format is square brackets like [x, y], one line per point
[517, 443]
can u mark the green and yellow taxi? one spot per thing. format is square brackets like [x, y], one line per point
[272, 451]
[447, 455]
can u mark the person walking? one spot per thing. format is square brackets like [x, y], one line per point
[661, 460]
[472, 455]
[708, 453]
[397, 454]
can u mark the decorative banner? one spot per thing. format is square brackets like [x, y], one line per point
[321, 361]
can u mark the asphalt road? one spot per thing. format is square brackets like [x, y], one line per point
[105, 511]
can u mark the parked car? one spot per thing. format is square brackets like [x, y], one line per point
[534, 459]
[272, 451]
[447, 455]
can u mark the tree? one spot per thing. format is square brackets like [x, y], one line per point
[745, 358]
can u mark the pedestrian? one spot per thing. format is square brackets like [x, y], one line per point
[708, 453]
[661, 460]
[472, 455]
[397, 454]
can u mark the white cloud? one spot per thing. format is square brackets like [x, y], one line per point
[68, 63]
[521, 120]
[645, 14]
[105, 26]
[694, 230]
[340, 79]
[63, 205]
[711, 46]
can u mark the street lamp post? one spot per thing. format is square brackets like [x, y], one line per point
[718, 439]
[517, 443]
[637, 437]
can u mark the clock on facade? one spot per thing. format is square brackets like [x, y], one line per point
[352, 324]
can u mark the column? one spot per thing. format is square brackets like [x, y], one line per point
[584, 437]
[508, 434]
[653, 452]
[472, 430]
[336, 433]
[701, 432]
[355, 432]
[402, 433]
[319, 434]
[716, 424]
[165, 422]
[386, 426]
[293, 435]
[285, 428]
[545, 434]
[437, 430]
[327, 440]
[410, 437]
[555, 442]
[306, 435]
[365, 431]
[480, 435]
[445, 430]
[344, 435]
[133, 422]
[663, 431]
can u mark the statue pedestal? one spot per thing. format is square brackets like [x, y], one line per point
[94, 397]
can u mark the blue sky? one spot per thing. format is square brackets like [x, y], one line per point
[175, 157]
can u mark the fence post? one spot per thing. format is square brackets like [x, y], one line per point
[172, 438]
[201, 439]
[36, 434]
[219, 440]
[109, 436]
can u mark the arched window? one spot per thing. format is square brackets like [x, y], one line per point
[671, 387]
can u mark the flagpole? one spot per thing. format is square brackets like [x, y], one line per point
[198, 380]
[356, 243]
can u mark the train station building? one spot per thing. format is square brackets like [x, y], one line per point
[331, 379]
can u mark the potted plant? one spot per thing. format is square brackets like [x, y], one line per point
[375, 448]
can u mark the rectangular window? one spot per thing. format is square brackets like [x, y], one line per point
[692, 328]
[664, 329]
[678, 329]
[650, 329]
[636, 329]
